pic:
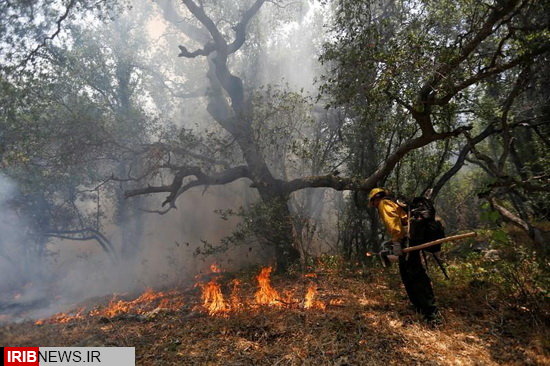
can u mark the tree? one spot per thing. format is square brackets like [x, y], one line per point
[416, 62]
[508, 170]
[27, 28]
[68, 126]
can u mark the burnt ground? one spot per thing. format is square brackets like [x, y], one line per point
[369, 323]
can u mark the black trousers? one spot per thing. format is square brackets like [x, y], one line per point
[417, 283]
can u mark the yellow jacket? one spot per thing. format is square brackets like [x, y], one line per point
[394, 218]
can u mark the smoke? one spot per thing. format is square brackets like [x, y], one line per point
[67, 272]
[40, 278]
[23, 277]
[13, 261]
[293, 47]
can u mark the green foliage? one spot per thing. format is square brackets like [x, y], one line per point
[293, 139]
[379, 59]
[72, 124]
[27, 27]
[508, 273]
[488, 215]
[262, 223]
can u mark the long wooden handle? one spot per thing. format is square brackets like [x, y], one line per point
[439, 241]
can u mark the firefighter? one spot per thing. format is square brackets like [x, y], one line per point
[414, 277]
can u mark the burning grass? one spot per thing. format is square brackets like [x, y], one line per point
[266, 294]
[213, 303]
[148, 302]
[323, 319]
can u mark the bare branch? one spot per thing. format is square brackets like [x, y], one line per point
[341, 183]
[177, 188]
[240, 29]
[221, 178]
[205, 51]
[198, 12]
[147, 190]
[83, 235]
[170, 14]
[160, 212]
[507, 215]
[489, 130]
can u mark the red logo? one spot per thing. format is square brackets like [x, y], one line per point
[21, 356]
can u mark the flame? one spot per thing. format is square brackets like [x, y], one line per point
[114, 308]
[266, 295]
[212, 299]
[310, 302]
[146, 302]
[336, 302]
[62, 318]
[141, 305]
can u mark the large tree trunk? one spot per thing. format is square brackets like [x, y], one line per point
[236, 119]
[277, 230]
[285, 252]
[129, 220]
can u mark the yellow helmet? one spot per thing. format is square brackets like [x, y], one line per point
[374, 192]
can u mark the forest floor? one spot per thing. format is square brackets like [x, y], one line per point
[367, 321]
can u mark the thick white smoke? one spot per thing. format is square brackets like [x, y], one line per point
[14, 264]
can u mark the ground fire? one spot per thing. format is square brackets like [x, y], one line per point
[213, 302]
[266, 295]
[149, 301]
[310, 301]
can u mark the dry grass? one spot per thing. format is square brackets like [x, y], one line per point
[373, 326]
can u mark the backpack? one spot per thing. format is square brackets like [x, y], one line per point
[424, 226]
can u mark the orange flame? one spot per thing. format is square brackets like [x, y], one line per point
[145, 303]
[62, 318]
[310, 302]
[213, 300]
[336, 302]
[141, 305]
[266, 295]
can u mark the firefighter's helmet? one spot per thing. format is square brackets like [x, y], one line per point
[376, 193]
